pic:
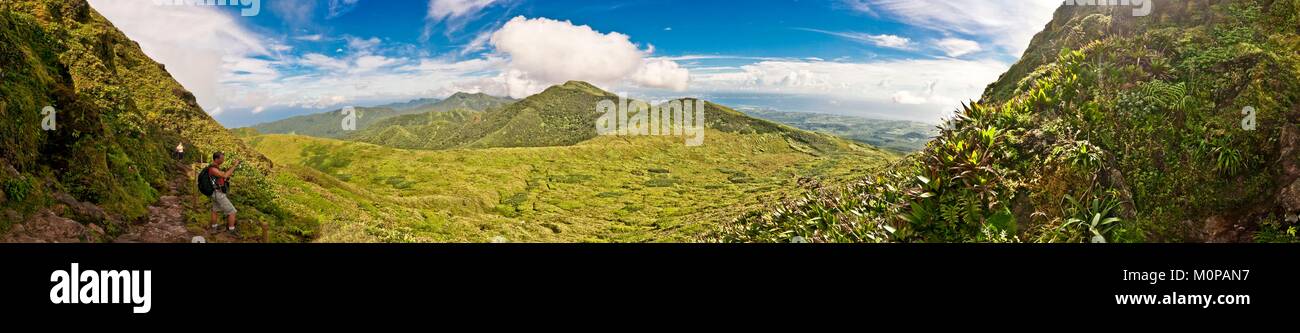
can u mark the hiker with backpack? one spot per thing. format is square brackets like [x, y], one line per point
[215, 183]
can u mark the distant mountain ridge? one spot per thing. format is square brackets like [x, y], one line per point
[561, 115]
[328, 124]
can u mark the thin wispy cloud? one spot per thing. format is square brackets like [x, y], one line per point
[453, 15]
[341, 7]
[861, 6]
[883, 40]
[1010, 24]
[956, 47]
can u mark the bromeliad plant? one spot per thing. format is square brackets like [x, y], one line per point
[1093, 220]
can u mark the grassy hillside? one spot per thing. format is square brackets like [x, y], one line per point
[329, 124]
[429, 130]
[118, 115]
[559, 116]
[898, 135]
[607, 189]
[1112, 128]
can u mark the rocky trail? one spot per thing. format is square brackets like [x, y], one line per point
[164, 223]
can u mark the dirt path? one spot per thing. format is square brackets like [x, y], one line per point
[165, 222]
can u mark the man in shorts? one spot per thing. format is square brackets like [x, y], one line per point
[220, 202]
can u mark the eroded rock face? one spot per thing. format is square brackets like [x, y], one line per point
[45, 227]
[83, 211]
[1289, 197]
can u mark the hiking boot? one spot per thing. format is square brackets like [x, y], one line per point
[233, 232]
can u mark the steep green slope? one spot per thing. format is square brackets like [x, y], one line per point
[898, 135]
[329, 124]
[118, 114]
[1111, 128]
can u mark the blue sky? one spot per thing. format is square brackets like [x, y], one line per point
[895, 59]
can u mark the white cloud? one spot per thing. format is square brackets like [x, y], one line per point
[310, 38]
[199, 44]
[259, 109]
[543, 52]
[861, 6]
[888, 41]
[906, 97]
[324, 62]
[370, 63]
[956, 47]
[361, 44]
[477, 44]
[662, 74]
[454, 14]
[1010, 24]
[440, 10]
[295, 12]
[318, 102]
[236, 69]
[916, 85]
[341, 7]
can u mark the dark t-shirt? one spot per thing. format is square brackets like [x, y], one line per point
[221, 182]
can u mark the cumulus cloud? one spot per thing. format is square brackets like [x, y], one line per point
[662, 73]
[212, 48]
[956, 47]
[544, 51]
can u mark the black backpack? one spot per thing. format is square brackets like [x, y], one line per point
[207, 183]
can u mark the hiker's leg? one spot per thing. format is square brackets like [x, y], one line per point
[230, 220]
[214, 218]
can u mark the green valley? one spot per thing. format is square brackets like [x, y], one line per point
[608, 189]
[898, 135]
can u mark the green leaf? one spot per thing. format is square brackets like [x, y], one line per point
[1004, 220]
